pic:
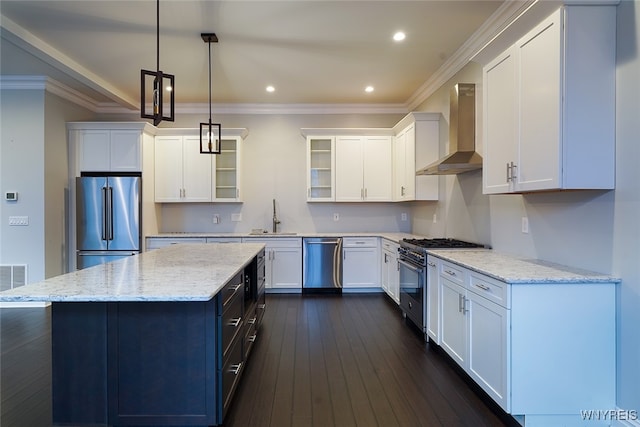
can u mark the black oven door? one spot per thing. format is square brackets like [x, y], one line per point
[412, 281]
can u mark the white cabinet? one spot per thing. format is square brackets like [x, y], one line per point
[433, 300]
[390, 269]
[283, 262]
[415, 146]
[549, 106]
[360, 262]
[320, 168]
[363, 168]
[224, 239]
[453, 337]
[161, 242]
[182, 173]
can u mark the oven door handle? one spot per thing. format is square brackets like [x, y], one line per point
[411, 267]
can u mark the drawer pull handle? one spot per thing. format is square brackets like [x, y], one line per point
[252, 338]
[481, 286]
[262, 306]
[235, 369]
[236, 287]
[431, 264]
[235, 322]
[251, 321]
[450, 273]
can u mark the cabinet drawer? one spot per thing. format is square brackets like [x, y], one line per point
[250, 336]
[390, 246]
[231, 322]
[491, 289]
[231, 289]
[360, 242]
[231, 373]
[452, 272]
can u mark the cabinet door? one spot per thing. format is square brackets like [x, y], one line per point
[95, 151]
[168, 169]
[125, 151]
[196, 171]
[360, 268]
[433, 301]
[400, 167]
[286, 268]
[390, 279]
[320, 169]
[409, 192]
[453, 338]
[227, 171]
[489, 347]
[540, 72]
[349, 169]
[500, 123]
[377, 169]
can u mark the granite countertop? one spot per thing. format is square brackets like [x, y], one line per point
[193, 272]
[513, 269]
[393, 236]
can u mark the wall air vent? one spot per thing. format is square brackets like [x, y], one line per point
[12, 276]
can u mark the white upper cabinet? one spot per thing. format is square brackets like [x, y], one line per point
[321, 168]
[183, 174]
[107, 148]
[415, 146]
[549, 106]
[364, 168]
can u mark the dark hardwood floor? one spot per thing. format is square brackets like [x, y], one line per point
[319, 361]
[350, 361]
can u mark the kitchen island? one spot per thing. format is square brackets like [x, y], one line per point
[160, 338]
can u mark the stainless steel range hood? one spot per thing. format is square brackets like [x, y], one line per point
[462, 135]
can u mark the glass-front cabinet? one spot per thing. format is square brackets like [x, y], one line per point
[227, 176]
[320, 168]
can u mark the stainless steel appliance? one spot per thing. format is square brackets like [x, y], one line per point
[322, 265]
[413, 274]
[108, 218]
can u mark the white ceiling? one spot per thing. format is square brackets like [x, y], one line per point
[313, 52]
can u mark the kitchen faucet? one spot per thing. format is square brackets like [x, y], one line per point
[276, 221]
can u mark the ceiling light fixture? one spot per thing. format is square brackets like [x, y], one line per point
[271, 88]
[368, 89]
[158, 83]
[210, 133]
[399, 36]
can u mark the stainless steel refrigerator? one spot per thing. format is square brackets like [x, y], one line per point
[107, 218]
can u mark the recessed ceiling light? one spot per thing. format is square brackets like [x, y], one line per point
[368, 89]
[399, 36]
[271, 88]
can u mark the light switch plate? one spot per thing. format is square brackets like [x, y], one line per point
[18, 220]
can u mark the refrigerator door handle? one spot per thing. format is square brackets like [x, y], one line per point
[110, 191]
[104, 213]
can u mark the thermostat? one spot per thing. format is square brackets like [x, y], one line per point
[11, 196]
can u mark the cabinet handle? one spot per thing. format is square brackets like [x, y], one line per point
[513, 173]
[235, 369]
[252, 338]
[365, 193]
[235, 288]
[251, 321]
[362, 193]
[450, 273]
[398, 265]
[262, 306]
[460, 303]
[508, 172]
[481, 286]
[235, 322]
[431, 264]
[464, 305]
[402, 190]
[385, 259]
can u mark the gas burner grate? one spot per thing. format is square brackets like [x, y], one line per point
[444, 243]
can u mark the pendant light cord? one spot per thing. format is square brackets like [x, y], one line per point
[210, 81]
[157, 35]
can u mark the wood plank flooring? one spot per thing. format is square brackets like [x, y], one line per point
[350, 361]
[319, 361]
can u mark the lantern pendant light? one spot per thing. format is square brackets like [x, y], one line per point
[158, 85]
[210, 133]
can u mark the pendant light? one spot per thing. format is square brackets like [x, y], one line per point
[160, 85]
[210, 133]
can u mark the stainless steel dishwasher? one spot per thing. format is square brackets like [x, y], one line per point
[322, 265]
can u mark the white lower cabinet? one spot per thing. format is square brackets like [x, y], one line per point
[360, 258]
[283, 262]
[529, 346]
[390, 279]
[433, 300]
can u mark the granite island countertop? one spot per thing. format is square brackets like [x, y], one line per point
[513, 269]
[191, 272]
[395, 236]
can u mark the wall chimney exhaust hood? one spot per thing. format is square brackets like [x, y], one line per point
[462, 135]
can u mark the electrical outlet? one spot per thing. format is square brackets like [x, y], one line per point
[435, 218]
[216, 219]
[403, 216]
[336, 216]
[236, 217]
[18, 220]
[525, 224]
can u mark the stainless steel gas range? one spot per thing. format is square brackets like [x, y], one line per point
[413, 274]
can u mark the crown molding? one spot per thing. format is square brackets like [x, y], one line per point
[293, 108]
